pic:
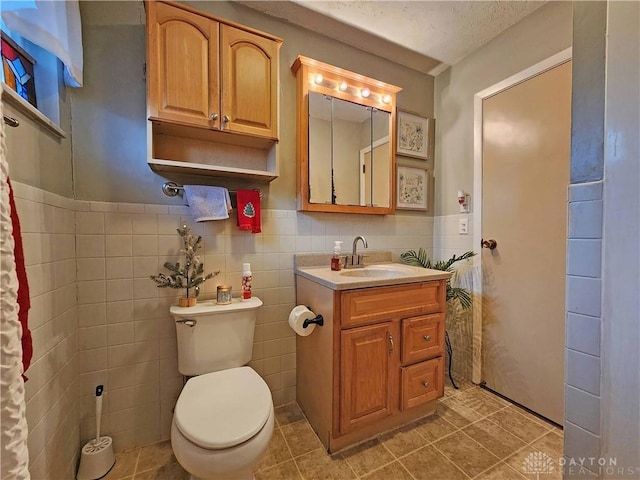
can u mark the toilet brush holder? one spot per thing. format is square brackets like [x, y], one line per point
[97, 457]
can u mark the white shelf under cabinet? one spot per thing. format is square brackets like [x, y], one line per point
[179, 149]
[179, 167]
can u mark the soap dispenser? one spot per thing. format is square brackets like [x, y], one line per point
[336, 259]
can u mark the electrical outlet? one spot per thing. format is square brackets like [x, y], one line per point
[463, 226]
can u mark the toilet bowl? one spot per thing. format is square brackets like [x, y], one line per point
[222, 424]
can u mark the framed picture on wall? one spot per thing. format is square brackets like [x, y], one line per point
[411, 188]
[414, 135]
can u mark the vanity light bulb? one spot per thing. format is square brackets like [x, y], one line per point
[318, 79]
[343, 86]
[365, 92]
[386, 99]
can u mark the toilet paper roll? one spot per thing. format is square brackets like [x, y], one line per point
[298, 315]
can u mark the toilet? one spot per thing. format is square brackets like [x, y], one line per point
[223, 419]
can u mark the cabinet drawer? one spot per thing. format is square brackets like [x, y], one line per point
[422, 383]
[422, 337]
[369, 305]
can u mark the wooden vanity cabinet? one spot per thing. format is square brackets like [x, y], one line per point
[212, 86]
[375, 364]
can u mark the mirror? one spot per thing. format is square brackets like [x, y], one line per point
[349, 153]
[346, 157]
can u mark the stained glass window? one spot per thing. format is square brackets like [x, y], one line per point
[17, 66]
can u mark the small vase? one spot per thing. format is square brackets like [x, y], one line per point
[187, 301]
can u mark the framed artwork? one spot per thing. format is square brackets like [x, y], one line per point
[411, 188]
[413, 135]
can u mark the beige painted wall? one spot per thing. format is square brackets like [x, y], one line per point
[37, 157]
[540, 35]
[109, 113]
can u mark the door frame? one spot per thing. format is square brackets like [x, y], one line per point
[363, 176]
[530, 72]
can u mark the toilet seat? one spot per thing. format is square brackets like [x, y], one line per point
[223, 409]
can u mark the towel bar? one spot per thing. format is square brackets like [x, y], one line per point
[171, 189]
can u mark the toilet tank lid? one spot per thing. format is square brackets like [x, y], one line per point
[207, 307]
[223, 409]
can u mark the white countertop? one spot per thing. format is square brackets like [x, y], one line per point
[394, 274]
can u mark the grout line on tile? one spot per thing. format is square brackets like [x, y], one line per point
[448, 460]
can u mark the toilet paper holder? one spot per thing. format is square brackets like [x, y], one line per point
[318, 320]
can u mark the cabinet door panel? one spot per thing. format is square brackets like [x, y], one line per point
[249, 82]
[367, 384]
[422, 337]
[422, 383]
[183, 66]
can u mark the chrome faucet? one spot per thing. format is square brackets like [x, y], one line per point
[355, 259]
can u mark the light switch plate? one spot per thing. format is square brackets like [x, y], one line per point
[463, 226]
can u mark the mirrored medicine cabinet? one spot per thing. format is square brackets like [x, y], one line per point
[345, 140]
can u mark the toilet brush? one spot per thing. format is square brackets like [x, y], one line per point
[97, 456]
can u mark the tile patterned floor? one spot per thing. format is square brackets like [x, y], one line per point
[473, 435]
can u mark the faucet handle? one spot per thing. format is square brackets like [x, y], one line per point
[354, 261]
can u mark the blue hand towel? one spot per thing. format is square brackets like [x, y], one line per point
[207, 203]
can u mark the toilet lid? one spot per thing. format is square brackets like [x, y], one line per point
[223, 409]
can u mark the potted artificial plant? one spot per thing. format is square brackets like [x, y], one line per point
[454, 295]
[191, 275]
[420, 259]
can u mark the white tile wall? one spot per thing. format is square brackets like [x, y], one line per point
[583, 321]
[126, 335]
[48, 227]
[97, 318]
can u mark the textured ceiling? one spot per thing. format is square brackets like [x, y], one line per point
[425, 35]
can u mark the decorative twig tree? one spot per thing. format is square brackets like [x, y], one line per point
[191, 275]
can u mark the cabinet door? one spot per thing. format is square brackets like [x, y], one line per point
[368, 374]
[182, 65]
[422, 383]
[249, 65]
[422, 337]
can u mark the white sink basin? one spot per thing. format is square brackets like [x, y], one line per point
[373, 272]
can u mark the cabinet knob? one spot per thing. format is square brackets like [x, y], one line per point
[427, 337]
[425, 384]
[391, 344]
[226, 119]
[214, 116]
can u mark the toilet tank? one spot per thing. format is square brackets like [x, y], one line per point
[214, 337]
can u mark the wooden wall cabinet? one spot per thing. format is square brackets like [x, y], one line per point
[375, 364]
[213, 91]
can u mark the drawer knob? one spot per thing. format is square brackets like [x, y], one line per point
[425, 384]
[427, 337]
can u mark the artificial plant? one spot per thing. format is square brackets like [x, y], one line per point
[191, 276]
[421, 259]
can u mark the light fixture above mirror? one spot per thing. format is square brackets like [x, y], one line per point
[345, 140]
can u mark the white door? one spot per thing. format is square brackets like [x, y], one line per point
[525, 174]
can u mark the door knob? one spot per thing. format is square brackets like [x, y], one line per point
[490, 244]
